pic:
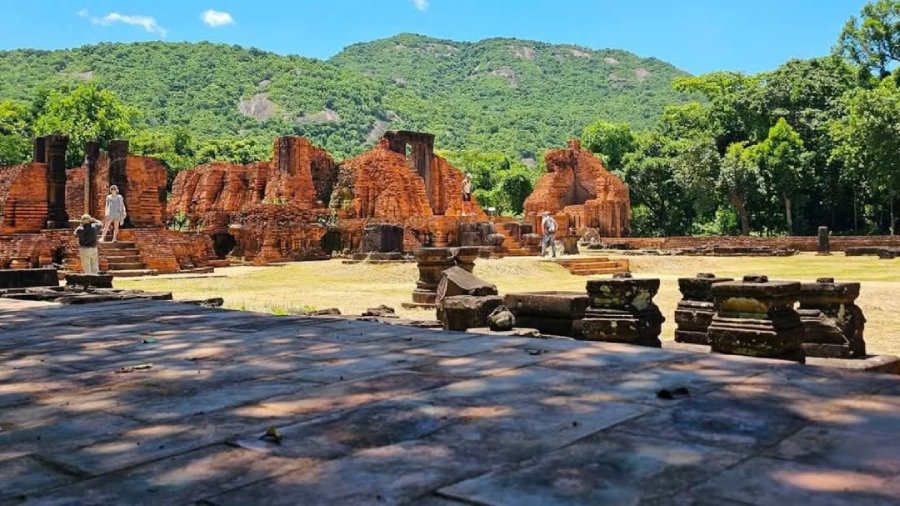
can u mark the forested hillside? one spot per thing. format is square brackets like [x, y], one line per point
[514, 96]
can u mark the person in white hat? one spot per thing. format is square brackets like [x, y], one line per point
[87, 234]
[548, 228]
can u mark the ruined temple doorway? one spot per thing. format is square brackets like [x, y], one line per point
[223, 244]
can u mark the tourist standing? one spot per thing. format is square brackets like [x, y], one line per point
[87, 244]
[548, 228]
[467, 189]
[114, 213]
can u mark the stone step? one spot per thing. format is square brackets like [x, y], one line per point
[596, 272]
[133, 273]
[119, 257]
[126, 266]
[117, 245]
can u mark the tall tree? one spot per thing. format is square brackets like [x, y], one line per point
[736, 105]
[782, 159]
[873, 39]
[85, 113]
[739, 178]
[14, 132]
[660, 203]
[868, 141]
[610, 140]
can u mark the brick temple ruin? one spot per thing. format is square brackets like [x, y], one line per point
[402, 181]
[303, 205]
[41, 201]
[263, 211]
[581, 194]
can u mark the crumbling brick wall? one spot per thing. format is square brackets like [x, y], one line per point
[23, 198]
[145, 200]
[581, 193]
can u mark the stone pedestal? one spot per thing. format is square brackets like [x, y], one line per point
[553, 313]
[570, 244]
[824, 248]
[89, 280]
[622, 310]
[833, 323]
[756, 317]
[382, 238]
[696, 309]
[432, 262]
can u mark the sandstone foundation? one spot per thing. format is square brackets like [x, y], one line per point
[756, 317]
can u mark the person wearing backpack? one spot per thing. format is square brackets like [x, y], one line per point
[548, 226]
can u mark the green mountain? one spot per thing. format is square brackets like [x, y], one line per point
[514, 96]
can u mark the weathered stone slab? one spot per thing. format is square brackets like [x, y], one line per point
[463, 312]
[569, 305]
[25, 278]
[601, 469]
[89, 280]
[182, 479]
[24, 476]
[772, 481]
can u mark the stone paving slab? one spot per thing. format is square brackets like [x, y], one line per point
[154, 402]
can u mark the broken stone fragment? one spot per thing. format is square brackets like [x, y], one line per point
[462, 312]
[501, 319]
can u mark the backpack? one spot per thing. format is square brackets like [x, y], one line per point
[549, 225]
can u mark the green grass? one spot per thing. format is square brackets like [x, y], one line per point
[354, 288]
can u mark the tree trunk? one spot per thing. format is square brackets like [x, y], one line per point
[891, 227]
[738, 203]
[855, 211]
[787, 214]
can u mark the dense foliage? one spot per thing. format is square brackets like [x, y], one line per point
[814, 142]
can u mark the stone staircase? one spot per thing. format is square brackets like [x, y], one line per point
[123, 259]
[511, 246]
[593, 265]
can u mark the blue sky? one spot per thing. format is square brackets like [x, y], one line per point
[695, 35]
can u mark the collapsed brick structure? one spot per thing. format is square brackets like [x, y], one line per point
[401, 181]
[38, 200]
[581, 194]
[432, 262]
[263, 211]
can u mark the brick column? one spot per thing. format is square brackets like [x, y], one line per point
[55, 158]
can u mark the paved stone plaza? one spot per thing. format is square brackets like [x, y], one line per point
[152, 402]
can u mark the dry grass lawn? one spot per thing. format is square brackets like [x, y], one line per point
[353, 288]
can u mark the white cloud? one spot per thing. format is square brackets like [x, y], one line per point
[83, 13]
[146, 22]
[216, 18]
[422, 5]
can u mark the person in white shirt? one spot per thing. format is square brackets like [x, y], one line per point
[548, 226]
[467, 189]
[114, 214]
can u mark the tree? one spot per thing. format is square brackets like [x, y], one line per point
[867, 139]
[687, 120]
[660, 203]
[14, 132]
[739, 179]
[610, 140]
[85, 113]
[782, 160]
[873, 40]
[736, 105]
